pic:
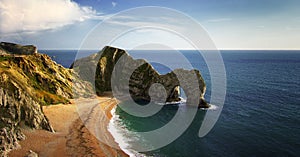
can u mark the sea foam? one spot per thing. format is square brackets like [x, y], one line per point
[212, 107]
[121, 135]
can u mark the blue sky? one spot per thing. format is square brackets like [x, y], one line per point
[231, 24]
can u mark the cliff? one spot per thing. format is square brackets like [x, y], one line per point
[141, 78]
[29, 80]
[11, 48]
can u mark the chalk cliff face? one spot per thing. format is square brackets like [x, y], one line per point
[101, 67]
[29, 80]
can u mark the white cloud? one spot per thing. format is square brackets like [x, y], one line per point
[37, 15]
[114, 4]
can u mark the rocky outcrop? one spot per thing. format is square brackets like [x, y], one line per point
[12, 48]
[142, 76]
[27, 82]
[16, 108]
[32, 154]
[105, 66]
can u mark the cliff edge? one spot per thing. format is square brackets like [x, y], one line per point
[29, 80]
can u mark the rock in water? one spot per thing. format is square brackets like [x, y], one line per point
[99, 68]
[29, 80]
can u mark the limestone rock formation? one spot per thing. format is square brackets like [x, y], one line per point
[29, 80]
[105, 66]
[100, 67]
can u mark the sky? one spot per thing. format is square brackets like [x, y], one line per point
[230, 24]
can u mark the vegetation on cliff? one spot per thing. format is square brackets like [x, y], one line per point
[29, 80]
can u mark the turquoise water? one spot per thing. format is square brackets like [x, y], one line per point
[261, 114]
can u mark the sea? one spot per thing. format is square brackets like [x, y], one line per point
[260, 116]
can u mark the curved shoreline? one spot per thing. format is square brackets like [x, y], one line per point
[73, 136]
[118, 132]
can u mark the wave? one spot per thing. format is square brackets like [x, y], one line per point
[126, 138]
[179, 103]
[182, 102]
[121, 135]
[212, 107]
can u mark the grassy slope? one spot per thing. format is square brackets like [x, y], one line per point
[36, 75]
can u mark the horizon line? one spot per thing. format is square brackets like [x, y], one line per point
[222, 49]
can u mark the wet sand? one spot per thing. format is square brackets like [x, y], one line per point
[71, 137]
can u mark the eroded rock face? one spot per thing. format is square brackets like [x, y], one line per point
[141, 76]
[27, 82]
[9, 138]
[105, 66]
[17, 107]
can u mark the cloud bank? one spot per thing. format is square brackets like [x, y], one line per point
[37, 15]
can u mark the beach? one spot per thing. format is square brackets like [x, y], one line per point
[75, 126]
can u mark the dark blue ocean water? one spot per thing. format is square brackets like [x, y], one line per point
[67, 57]
[261, 114]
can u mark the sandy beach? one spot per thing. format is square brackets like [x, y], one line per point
[74, 131]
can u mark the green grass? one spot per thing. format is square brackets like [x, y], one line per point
[5, 58]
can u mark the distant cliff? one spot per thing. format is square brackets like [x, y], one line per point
[102, 64]
[11, 48]
[29, 80]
